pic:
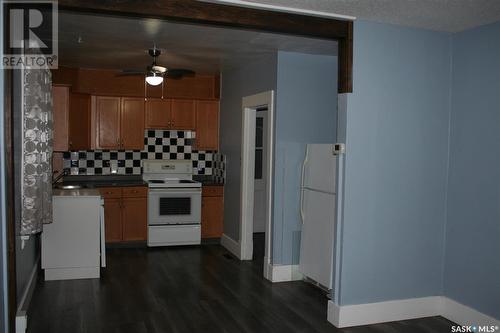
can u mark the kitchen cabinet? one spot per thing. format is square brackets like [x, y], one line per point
[125, 211]
[158, 113]
[134, 210]
[80, 122]
[182, 114]
[72, 120]
[176, 114]
[212, 211]
[119, 122]
[60, 103]
[207, 125]
[132, 123]
[112, 220]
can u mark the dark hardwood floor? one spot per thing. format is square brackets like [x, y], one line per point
[190, 289]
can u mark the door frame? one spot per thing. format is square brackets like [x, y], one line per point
[249, 107]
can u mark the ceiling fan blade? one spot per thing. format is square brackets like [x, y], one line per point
[177, 73]
[130, 74]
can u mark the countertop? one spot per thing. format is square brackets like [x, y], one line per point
[96, 181]
[207, 180]
[82, 192]
[104, 181]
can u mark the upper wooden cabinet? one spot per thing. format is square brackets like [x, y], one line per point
[158, 113]
[132, 123]
[72, 120]
[119, 122]
[176, 114]
[182, 114]
[107, 115]
[207, 125]
[60, 103]
[80, 122]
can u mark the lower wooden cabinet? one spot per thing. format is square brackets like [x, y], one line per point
[113, 220]
[125, 213]
[134, 212]
[212, 212]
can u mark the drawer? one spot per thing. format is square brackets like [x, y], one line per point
[136, 191]
[111, 192]
[213, 191]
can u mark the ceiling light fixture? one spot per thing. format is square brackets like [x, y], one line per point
[154, 79]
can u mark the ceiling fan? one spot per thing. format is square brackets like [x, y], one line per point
[155, 73]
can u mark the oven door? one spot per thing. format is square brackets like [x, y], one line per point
[174, 206]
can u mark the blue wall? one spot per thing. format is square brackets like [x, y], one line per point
[306, 112]
[237, 83]
[396, 164]
[472, 269]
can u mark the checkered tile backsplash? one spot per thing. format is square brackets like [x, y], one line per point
[158, 145]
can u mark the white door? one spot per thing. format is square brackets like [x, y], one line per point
[261, 146]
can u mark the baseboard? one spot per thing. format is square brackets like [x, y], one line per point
[373, 313]
[282, 273]
[22, 309]
[464, 315]
[231, 245]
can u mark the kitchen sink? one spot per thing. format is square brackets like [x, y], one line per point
[68, 187]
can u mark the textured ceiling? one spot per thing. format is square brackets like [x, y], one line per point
[442, 15]
[121, 43]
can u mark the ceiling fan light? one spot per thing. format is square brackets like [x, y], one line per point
[153, 79]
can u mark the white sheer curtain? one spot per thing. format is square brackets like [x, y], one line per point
[36, 173]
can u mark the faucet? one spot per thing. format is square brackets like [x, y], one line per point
[62, 174]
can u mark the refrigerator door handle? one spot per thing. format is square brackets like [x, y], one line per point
[302, 215]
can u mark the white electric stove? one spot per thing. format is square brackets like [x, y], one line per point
[174, 203]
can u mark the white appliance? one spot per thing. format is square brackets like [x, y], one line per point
[174, 203]
[318, 213]
[73, 244]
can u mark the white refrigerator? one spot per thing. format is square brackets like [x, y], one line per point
[318, 213]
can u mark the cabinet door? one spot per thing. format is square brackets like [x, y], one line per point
[132, 123]
[158, 113]
[212, 217]
[80, 133]
[207, 125]
[135, 219]
[182, 114]
[60, 102]
[107, 122]
[113, 220]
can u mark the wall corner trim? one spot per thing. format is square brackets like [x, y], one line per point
[380, 312]
[231, 245]
[24, 303]
[282, 273]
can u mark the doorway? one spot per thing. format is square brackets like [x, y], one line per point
[256, 174]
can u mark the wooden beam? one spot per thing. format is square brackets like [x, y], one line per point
[345, 62]
[197, 12]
